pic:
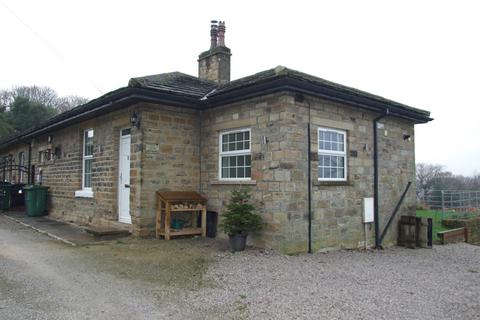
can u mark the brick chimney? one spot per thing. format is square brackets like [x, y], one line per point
[214, 64]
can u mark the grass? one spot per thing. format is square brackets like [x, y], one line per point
[436, 219]
[438, 216]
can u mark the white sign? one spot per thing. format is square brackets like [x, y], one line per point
[368, 210]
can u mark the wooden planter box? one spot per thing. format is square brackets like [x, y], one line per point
[452, 235]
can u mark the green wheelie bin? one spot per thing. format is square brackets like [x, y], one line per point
[35, 200]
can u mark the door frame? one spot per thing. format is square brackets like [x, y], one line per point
[123, 137]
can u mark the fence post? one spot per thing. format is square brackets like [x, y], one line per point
[443, 202]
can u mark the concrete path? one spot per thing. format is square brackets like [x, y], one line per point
[41, 278]
[67, 233]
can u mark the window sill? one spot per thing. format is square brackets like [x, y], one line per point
[234, 182]
[83, 194]
[332, 183]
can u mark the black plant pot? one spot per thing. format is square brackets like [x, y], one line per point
[238, 241]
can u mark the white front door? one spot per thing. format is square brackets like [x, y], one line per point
[124, 177]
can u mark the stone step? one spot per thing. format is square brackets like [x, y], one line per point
[107, 232]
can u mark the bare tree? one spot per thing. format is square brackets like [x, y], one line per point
[43, 95]
[426, 174]
[5, 100]
[69, 102]
[432, 178]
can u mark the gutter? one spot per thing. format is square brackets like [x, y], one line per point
[215, 99]
[100, 105]
[285, 83]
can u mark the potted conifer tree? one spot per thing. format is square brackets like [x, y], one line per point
[239, 219]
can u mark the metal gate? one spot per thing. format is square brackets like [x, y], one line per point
[12, 172]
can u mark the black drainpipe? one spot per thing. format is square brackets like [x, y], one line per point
[200, 154]
[309, 185]
[301, 98]
[375, 180]
[30, 178]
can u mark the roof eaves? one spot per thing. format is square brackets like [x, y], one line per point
[292, 82]
[102, 105]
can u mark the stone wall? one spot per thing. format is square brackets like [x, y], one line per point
[338, 206]
[178, 149]
[279, 170]
[63, 173]
[276, 165]
[170, 157]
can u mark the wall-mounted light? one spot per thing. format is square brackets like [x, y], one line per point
[407, 137]
[58, 152]
[135, 120]
[50, 139]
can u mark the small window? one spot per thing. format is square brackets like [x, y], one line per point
[87, 159]
[332, 155]
[235, 155]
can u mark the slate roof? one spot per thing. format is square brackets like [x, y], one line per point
[179, 89]
[183, 84]
[176, 83]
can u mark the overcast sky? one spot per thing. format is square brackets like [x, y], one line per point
[422, 53]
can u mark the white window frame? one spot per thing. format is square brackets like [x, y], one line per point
[86, 192]
[333, 153]
[234, 153]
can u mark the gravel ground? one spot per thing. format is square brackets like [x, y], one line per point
[397, 283]
[199, 279]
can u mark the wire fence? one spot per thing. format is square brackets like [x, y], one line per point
[452, 200]
[452, 203]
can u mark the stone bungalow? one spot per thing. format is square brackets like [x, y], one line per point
[104, 160]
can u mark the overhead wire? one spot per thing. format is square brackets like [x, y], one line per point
[50, 46]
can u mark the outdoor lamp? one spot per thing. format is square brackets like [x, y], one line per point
[135, 120]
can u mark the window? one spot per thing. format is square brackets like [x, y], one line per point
[235, 155]
[87, 159]
[332, 155]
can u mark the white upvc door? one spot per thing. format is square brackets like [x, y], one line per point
[124, 177]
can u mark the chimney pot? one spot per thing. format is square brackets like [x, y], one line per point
[213, 34]
[221, 34]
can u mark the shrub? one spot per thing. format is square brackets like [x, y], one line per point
[240, 216]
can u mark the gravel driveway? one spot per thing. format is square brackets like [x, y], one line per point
[198, 279]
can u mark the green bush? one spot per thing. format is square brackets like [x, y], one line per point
[240, 216]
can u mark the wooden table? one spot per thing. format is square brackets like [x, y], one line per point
[171, 202]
